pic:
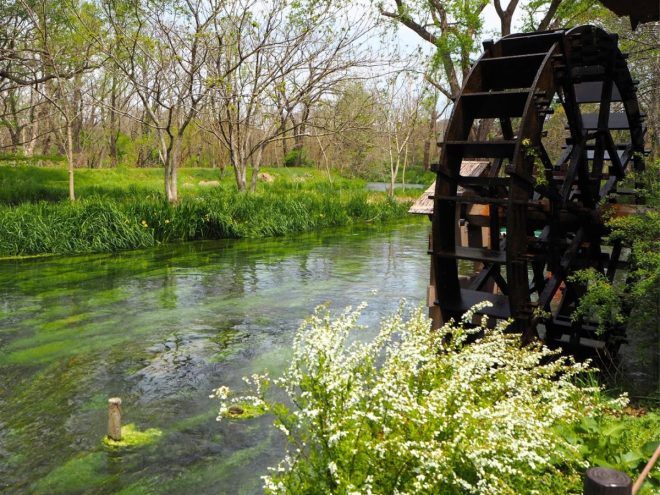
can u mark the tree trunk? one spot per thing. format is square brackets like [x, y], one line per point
[169, 149]
[299, 134]
[69, 155]
[403, 171]
[285, 147]
[77, 120]
[170, 181]
[430, 138]
[32, 127]
[241, 176]
[172, 164]
[238, 161]
[114, 131]
[256, 165]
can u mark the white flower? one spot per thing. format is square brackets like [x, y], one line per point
[419, 402]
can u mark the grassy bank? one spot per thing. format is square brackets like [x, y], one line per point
[123, 209]
[22, 184]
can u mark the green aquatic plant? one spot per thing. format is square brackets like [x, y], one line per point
[132, 437]
[244, 410]
[79, 474]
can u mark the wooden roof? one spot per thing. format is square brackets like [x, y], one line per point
[638, 10]
[424, 205]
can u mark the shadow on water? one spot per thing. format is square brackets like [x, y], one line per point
[161, 328]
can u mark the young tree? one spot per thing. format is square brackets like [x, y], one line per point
[64, 54]
[401, 104]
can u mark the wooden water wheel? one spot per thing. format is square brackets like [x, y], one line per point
[539, 205]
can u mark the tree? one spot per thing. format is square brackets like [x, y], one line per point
[162, 48]
[274, 60]
[64, 54]
[643, 48]
[454, 27]
[400, 106]
[346, 128]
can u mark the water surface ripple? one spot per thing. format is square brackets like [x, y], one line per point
[160, 328]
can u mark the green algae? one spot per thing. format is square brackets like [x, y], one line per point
[244, 410]
[132, 437]
[229, 319]
[195, 421]
[213, 474]
[81, 474]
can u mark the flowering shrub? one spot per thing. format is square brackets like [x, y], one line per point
[419, 411]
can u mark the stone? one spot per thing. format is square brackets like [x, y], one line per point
[209, 183]
[266, 177]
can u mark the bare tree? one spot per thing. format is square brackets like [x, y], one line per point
[162, 49]
[57, 67]
[273, 63]
[401, 104]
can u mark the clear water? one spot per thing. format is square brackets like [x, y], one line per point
[384, 186]
[160, 328]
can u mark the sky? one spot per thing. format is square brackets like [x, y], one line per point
[410, 43]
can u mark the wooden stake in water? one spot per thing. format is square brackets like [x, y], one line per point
[114, 419]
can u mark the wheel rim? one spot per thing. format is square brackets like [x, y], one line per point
[552, 210]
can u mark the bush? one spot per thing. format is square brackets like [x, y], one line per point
[415, 411]
[631, 301]
[298, 157]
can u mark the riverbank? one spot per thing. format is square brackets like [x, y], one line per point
[124, 209]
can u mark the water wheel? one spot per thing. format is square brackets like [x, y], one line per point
[539, 205]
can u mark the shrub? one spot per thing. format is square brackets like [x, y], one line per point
[414, 411]
[609, 303]
[298, 157]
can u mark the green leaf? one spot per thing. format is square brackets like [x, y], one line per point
[648, 449]
[613, 429]
[600, 462]
[632, 458]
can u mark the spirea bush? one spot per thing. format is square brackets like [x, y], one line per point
[415, 411]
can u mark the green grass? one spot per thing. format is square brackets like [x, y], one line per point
[21, 184]
[124, 209]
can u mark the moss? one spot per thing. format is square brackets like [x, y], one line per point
[78, 475]
[131, 437]
[244, 410]
[221, 472]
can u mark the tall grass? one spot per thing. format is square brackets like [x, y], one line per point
[99, 224]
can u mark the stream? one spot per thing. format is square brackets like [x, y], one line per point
[161, 328]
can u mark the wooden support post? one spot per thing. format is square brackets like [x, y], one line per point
[434, 309]
[114, 419]
[606, 481]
